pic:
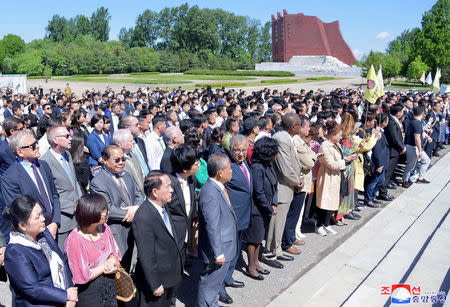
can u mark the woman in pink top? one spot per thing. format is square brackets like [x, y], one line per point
[88, 248]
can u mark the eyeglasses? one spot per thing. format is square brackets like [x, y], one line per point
[117, 160]
[32, 146]
[64, 135]
[239, 150]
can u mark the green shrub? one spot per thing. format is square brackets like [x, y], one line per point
[320, 78]
[36, 77]
[223, 84]
[144, 73]
[239, 73]
[276, 81]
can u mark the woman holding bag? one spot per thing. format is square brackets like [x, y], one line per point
[88, 248]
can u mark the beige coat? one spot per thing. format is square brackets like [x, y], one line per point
[287, 166]
[307, 158]
[329, 177]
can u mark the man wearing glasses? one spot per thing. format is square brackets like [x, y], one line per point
[123, 197]
[31, 176]
[43, 122]
[64, 177]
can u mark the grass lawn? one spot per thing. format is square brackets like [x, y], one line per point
[191, 77]
[401, 84]
[124, 80]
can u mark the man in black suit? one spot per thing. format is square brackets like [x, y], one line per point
[183, 206]
[159, 268]
[31, 176]
[394, 137]
[10, 126]
[434, 119]
[173, 137]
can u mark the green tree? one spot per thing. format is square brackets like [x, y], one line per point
[83, 25]
[8, 66]
[100, 24]
[265, 43]
[391, 66]
[146, 30]
[432, 43]
[169, 62]
[57, 28]
[10, 46]
[416, 68]
[126, 36]
[30, 63]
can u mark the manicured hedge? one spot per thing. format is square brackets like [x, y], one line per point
[239, 73]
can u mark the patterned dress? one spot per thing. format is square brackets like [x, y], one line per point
[348, 202]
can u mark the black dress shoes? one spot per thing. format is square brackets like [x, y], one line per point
[226, 299]
[423, 180]
[236, 284]
[385, 198]
[285, 258]
[273, 264]
[258, 277]
[264, 272]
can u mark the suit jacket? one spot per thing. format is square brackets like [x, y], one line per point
[307, 158]
[217, 224]
[29, 273]
[166, 164]
[16, 181]
[104, 184]
[265, 188]
[287, 166]
[380, 153]
[95, 145]
[68, 189]
[133, 167]
[394, 137]
[177, 207]
[159, 258]
[241, 195]
[6, 156]
[141, 145]
[7, 113]
[435, 124]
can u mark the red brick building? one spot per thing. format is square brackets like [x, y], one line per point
[297, 34]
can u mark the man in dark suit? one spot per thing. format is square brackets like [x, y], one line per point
[183, 207]
[240, 191]
[32, 177]
[218, 225]
[394, 137]
[114, 117]
[123, 197]
[159, 268]
[44, 120]
[10, 126]
[173, 137]
[64, 177]
[8, 110]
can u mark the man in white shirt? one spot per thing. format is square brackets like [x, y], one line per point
[154, 143]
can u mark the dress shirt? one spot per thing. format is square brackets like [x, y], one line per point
[29, 169]
[115, 121]
[262, 134]
[187, 197]
[58, 157]
[160, 211]
[154, 145]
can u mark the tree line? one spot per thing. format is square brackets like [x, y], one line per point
[171, 40]
[419, 49]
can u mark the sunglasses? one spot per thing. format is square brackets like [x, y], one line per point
[117, 160]
[32, 146]
[64, 135]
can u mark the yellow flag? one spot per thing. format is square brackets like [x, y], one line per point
[436, 86]
[371, 94]
[380, 85]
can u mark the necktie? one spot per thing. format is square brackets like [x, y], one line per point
[167, 221]
[244, 170]
[66, 168]
[161, 144]
[141, 159]
[124, 189]
[44, 196]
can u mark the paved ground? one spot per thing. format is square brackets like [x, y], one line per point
[334, 268]
[78, 87]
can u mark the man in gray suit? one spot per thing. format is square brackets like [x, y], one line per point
[290, 179]
[217, 230]
[124, 139]
[123, 197]
[60, 162]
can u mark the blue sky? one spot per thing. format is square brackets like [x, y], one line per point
[365, 25]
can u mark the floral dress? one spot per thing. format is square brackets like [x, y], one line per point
[348, 202]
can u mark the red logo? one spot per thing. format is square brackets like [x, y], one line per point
[370, 84]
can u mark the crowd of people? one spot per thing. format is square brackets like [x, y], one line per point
[155, 179]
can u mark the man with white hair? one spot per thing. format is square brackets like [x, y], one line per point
[124, 139]
[173, 137]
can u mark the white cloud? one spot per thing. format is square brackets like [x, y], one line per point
[382, 35]
[357, 53]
